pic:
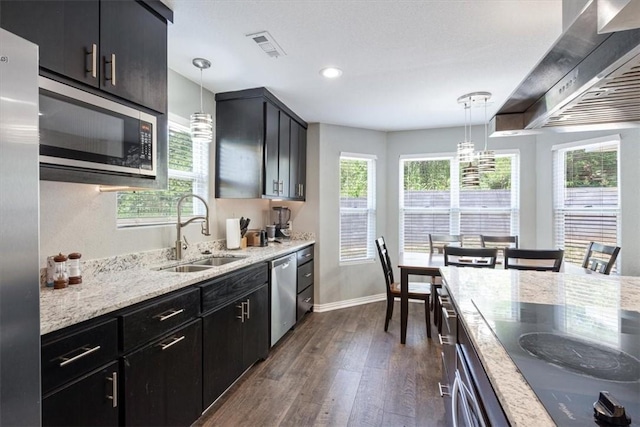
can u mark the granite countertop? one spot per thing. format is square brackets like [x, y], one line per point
[518, 400]
[115, 283]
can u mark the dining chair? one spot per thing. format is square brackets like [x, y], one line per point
[470, 257]
[499, 242]
[594, 257]
[437, 242]
[533, 259]
[417, 290]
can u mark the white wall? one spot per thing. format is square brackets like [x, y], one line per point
[77, 217]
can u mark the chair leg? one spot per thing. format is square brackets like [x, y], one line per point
[427, 316]
[389, 313]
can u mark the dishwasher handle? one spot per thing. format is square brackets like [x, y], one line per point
[282, 262]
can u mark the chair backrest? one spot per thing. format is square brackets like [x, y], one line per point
[383, 253]
[600, 258]
[437, 242]
[498, 241]
[533, 259]
[470, 257]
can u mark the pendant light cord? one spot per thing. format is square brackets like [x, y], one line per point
[486, 129]
[201, 107]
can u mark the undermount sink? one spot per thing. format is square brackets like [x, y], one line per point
[187, 268]
[216, 261]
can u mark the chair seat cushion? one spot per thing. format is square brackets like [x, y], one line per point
[419, 290]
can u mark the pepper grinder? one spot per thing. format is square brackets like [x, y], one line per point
[75, 277]
[60, 276]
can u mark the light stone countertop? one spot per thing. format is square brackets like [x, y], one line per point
[601, 295]
[114, 283]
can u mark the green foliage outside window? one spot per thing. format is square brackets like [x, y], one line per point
[427, 175]
[591, 169]
[353, 178]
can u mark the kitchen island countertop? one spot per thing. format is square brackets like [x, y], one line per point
[594, 292]
[110, 289]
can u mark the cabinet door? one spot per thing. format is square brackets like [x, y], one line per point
[272, 125]
[255, 334]
[283, 154]
[137, 40]
[65, 31]
[222, 350]
[297, 161]
[90, 400]
[162, 381]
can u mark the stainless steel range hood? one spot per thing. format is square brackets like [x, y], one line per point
[588, 80]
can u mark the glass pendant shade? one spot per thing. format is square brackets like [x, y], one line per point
[470, 176]
[466, 152]
[486, 161]
[201, 123]
[201, 127]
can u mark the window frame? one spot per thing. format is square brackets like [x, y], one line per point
[370, 210]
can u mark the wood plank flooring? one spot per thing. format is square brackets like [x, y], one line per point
[340, 368]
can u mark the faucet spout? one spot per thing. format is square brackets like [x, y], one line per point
[180, 245]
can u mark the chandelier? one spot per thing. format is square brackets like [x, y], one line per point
[474, 163]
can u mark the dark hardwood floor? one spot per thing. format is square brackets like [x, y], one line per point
[340, 368]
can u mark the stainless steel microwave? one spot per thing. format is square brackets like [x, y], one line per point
[83, 130]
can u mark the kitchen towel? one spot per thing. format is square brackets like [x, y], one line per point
[233, 233]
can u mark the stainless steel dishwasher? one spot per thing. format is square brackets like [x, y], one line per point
[283, 296]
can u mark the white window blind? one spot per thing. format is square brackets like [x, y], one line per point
[432, 201]
[357, 207]
[586, 195]
[188, 173]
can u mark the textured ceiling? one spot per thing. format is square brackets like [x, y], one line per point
[405, 63]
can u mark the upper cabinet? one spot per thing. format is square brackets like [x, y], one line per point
[260, 147]
[119, 47]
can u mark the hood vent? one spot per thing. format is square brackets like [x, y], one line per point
[586, 81]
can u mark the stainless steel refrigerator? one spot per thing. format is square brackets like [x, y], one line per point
[19, 233]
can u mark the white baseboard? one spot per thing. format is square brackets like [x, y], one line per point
[320, 308]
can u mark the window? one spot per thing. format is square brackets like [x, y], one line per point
[432, 201]
[357, 207]
[188, 173]
[586, 195]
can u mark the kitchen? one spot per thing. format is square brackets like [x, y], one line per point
[70, 212]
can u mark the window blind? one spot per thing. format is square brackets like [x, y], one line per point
[188, 165]
[357, 208]
[586, 196]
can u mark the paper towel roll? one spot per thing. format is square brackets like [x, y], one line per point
[233, 233]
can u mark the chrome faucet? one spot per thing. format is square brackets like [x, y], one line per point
[180, 245]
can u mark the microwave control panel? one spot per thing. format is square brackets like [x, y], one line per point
[146, 145]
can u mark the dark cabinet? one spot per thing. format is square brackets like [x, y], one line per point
[90, 400]
[163, 380]
[304, 282]
[235, 328]
[119, 47]
[260, 147]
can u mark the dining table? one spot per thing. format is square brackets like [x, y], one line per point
[428, 264]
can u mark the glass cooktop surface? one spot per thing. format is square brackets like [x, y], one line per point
[569, 354]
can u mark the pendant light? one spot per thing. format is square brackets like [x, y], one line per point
[201, 122]
[486, 158]
[465, 148]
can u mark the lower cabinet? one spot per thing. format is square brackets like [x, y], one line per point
[89, 400]
[163, 380]
[235, 336]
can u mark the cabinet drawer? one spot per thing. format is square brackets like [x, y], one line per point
[305, 255]
[74, 355]
[154, 319]
[228, 288]
[305, 276]
[305, 302]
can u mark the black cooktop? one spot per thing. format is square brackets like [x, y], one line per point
[569, 354]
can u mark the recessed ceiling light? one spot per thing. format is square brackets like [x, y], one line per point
[331, 72]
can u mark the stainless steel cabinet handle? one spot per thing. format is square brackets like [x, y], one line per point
[307, 255]
[275, 187]
[307, 275]
[172, 343]
[444, 340]
[114, 389]
[241, 316]
[87, 351]
[448, 313]
[301, 190]
[307, 299]
[164, 317]
[281, 184]
[248, 309]
[113, 69]
[444, 390]
[94, 60]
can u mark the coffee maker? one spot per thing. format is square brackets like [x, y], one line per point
[281, 216]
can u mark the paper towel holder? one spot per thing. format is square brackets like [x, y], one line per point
[233, 233]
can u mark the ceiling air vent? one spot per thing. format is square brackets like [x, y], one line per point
[267, 43]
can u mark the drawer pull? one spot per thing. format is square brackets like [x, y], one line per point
[94, 59]
[114, 389]
[307, 299]
[248, 308]
[173, 342]
[448, 313]
[444, 390]
[164, 317]
[307, 275]
[444, 340]
[86, 352]
[241, 307]
[307, 255]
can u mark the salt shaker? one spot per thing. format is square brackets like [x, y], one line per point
[60, 276]
[73, 265]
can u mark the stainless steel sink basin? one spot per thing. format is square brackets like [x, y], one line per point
[187, 268]
[216, 261]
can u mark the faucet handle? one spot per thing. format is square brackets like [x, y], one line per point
[186, 242]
